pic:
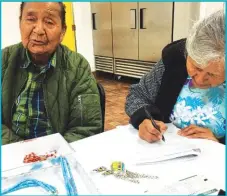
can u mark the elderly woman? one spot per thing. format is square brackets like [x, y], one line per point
[186, 87]
[46, 88]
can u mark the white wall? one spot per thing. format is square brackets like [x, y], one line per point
[10, 23]
[207, 8]
[182, 19]
[84, 40]
[186, 13]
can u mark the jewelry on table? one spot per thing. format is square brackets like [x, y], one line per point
[107, 173]
[31, 183]
[138, 175]
[68, 177]
[118, 170]
[32, 157]
[100, 169]
[123, 176]
[118, 166]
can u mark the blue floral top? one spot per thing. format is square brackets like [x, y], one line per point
[202, 107]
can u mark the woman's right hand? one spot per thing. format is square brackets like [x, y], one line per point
[148, 133]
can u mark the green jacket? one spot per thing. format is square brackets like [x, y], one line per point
[70, 93]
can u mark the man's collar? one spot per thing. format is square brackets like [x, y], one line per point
[28, 60]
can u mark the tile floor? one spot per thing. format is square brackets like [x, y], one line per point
[116, 92]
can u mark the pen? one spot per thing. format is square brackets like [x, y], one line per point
[157, 127]
[153, 123]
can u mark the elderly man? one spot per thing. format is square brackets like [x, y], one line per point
[46, 88]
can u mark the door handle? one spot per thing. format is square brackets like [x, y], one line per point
[93, 21]
[133, 18]
[142, 25]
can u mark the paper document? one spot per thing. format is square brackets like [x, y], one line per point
[190, 153]
[192, 185]
[175, 147]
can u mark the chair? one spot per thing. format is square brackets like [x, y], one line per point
[102, 102]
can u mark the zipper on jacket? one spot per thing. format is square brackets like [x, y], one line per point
[81, 110]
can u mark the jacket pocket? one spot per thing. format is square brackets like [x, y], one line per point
[89, 109]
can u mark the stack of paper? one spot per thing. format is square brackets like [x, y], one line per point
[169, 156]
[191, 185]
[174, 148]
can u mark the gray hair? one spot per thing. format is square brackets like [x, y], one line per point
[206, 40]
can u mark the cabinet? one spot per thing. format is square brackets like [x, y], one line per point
[129, 37]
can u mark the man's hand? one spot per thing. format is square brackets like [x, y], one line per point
[194, 131]
[148, 133]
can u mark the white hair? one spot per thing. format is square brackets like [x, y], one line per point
[206, 40]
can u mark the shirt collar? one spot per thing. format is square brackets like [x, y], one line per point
[28, 61]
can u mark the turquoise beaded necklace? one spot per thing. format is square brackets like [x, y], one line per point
[31, 183]
[68, 179]
[67, 174]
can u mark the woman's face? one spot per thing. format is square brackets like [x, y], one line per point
[41, 27]
[210, 76]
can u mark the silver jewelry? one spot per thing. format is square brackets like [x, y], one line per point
[108, 172]
[138, 175]
[124, 175]
[100, 169]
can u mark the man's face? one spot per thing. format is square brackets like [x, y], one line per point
[41, 27]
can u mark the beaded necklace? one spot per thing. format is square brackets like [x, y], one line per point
[68, 179]
[31, 183]
[67, 174]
